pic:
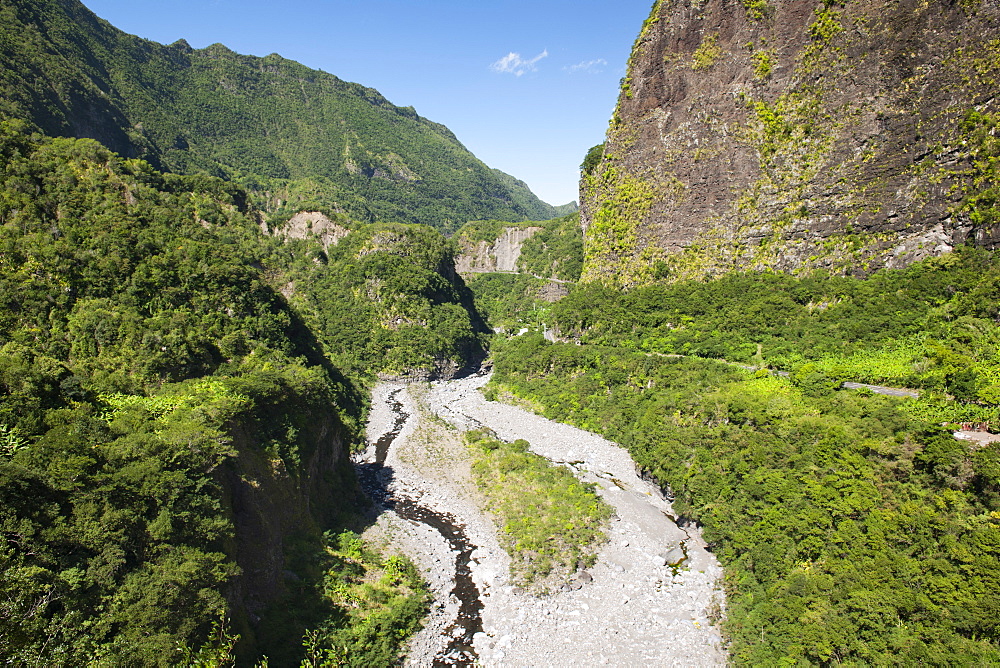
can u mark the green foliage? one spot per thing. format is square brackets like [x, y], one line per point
[509, 302]
[708, 52]
[929, 326]
[982, 200]
[592, 159]
[285, 132]
[556, 251]
[550, 522]
[377, 603]
[763, 64]
[757, 9]
[147, 362]
[623, 202]
[851, 532]
[476, 231]
[387, 300]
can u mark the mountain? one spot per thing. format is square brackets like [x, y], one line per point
[179, 393]
[290, 134]
[797, 135]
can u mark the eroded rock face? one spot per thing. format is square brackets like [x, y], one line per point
[500, 255]
[796, 134]
[270, 506]
[312, 225]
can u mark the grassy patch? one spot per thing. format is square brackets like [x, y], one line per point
[377, 603]
[708, 53]
[549, 521]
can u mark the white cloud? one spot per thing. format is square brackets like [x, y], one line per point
[590, 66]
[514, 64]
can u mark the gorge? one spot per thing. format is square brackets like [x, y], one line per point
[289, 377]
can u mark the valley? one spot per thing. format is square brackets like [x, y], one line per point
[648, 598]
[289, 377]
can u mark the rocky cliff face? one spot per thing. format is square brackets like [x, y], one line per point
[275, 509]
[795, 135]
[311, 225]
[499, 255]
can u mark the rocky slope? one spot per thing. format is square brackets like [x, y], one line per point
[797, 134]
[500, 255]
[551, 249]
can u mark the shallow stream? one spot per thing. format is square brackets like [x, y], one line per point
[375, 478]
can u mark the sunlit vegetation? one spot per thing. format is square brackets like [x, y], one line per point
[377, 603]
[386, 300]
[851, 530]
[509, 301]
[549, 521]
[291, 136]
[555, 251]
[148, 363]
[930, 326]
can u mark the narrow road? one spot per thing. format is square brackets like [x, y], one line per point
[879, 389]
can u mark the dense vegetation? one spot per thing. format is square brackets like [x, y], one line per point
[379, 602]
[851, 530]
[293, 137]
[556, 251]
[156, 387]
[510, 302]
[386, 299]
[932, 325]
[550, 522]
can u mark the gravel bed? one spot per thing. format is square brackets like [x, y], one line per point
[631, 609]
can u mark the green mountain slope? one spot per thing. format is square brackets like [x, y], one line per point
[178, 396]
[266, 122]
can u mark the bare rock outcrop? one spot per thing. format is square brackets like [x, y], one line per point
[795, 135]
[312, 225]
[499, 255]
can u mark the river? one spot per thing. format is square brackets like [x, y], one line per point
[649, 600]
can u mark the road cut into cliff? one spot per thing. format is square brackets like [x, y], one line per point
[650, 599]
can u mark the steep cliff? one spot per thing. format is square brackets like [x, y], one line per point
[500, 254]
[795, 135]
[279, 503]
[551, 249]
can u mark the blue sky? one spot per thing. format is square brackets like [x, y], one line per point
[528, 86]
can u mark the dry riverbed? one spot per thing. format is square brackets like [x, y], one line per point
[631, 609]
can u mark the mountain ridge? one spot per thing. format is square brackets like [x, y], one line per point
[187, 110]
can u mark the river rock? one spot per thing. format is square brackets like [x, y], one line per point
[674, 556]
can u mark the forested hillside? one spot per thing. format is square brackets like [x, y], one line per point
[292, 136]
[854, 527]
[174, 429]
